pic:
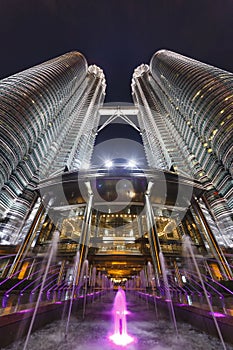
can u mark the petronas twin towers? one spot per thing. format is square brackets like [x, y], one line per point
[48, 121]
[186, 118]
[49, 117]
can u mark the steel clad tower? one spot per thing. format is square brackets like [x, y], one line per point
[110, 212]
[48, 121]
[186, 121]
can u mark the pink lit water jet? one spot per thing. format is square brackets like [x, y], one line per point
[120, 335]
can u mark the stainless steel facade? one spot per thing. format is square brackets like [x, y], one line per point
[48, 122]
[186, 120]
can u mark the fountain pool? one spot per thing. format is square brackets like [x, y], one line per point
[94, 331]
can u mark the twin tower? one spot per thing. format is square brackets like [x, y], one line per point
[49, 117]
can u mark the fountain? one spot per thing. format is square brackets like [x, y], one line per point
[92, 282]
[187, 246]
[44, 285]
[75, 275]
[120, 336]
[167, 292]
[94, 332]
[84, 276]
[151, 280]
[52, 253]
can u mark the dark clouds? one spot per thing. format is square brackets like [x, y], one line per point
[117, 35]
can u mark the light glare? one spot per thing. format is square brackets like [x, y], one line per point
[132, 163]
[121, 339]
[108, 163]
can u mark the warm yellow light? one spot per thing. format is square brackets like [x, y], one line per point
[198, 93]
[131, 194]
[119, 262]
[227, 98]
[216, 270]
[23, 270]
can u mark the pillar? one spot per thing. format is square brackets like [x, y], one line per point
[153, 239]
[85, 236]
[216, 250]
[25, 246]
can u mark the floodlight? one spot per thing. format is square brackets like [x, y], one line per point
[132, 163]
[108, 163]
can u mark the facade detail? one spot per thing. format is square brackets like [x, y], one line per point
[71, 229]
[48, 122]
[186, 120]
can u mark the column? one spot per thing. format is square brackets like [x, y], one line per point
[23, 250]
[85, 236]
[177, 274]
[153, 239]
[61, 272]
[216, 250]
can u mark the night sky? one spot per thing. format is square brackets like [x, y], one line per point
[114, 34]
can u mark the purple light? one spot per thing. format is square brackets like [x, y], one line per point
[217, 314]
[120, 336]
[121, 339]
[25, 311]
[125, 312]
